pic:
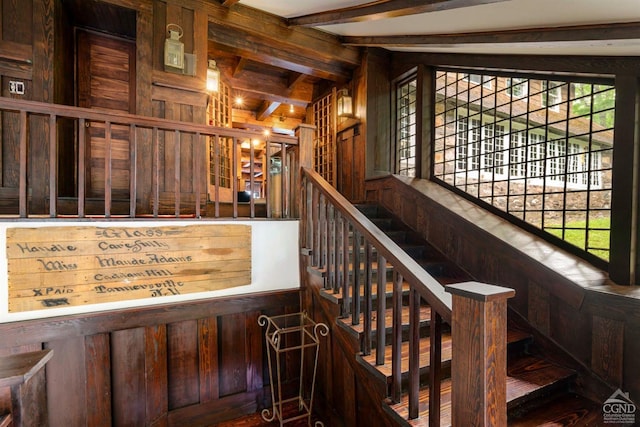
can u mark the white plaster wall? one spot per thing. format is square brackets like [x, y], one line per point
[274, 264]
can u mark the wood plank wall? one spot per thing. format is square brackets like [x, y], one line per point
[599, 326]
[195, 363]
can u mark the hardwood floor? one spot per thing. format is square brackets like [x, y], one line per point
[255, 420]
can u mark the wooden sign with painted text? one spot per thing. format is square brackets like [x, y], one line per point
[73, 266]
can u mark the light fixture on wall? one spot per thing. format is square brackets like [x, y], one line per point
[345, 103]
[213, 77]
[174, 49]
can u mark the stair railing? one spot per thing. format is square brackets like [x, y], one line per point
[159, 149]
[348, 249]
[333, 226]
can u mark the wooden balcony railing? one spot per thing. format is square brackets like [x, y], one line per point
[343, 243]
[170, 168]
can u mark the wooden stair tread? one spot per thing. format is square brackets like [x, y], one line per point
[337, 296]
[425, 316]
[526, 376]
[425, 346]
[569, 409]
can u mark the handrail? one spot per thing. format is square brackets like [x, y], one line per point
[330, 222]
[169, 157]
[431, 290]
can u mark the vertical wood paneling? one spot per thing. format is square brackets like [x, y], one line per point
[156, 374]
[17, 21]
[128, 377]
[66, 383]
[538, 307]
[232, 347]
[607, 349]
[208, 353]
[254, 353]
[184, 387]
[186, 151]
[98, 363]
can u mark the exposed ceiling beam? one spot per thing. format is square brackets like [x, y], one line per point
[276, 33]
[290, 58]
[242, 61]
[382, 9]
[266, 109]
[294, 79]
[229, 3]
[533, 35]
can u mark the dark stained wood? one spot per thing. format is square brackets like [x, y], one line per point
[128, 377]
[255, 350]
[479, 359]
[530, 36]
[156, 368]
[182, 364]
[63, 374]
[607, 349]
[208, 359]
[232, 335]
[382, 9]
[98, 361]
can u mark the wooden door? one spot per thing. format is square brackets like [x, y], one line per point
[350, 158]
[106, 80]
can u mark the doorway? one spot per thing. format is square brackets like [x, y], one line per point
[105, 70]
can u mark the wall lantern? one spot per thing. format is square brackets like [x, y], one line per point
[213, 77]
[174, 49]
[345, 103]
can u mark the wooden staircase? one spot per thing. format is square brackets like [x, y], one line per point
[538, 391]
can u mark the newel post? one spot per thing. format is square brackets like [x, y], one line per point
[305, 134]
[479, 354]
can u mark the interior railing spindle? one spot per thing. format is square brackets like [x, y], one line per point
[22, 186]
[323, 233]
[435, 368]
[252, 165]
[267, 178]
[156, 171]
[283, 180]
[346, 299]
[331, 239]
[396, 343]
[177, 148]
[82, 168]
[414, 353]
[368, 298]
[355, 291]
[381, 308]
[107, 169]
[133, 170]
[53, 166]
[216, 179]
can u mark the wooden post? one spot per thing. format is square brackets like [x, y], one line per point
[305, 133]
[479, 354]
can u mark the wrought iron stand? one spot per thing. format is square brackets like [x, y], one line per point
[285, 333]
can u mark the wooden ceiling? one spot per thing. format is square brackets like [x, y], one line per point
[276, 69]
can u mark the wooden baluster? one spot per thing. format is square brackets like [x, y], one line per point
[23, 196]
[479, 354]
[284, 194]
[339, 258]
[197, 171]
[156, 172]
[368, 300]
[177, 148]
[133, 170]
[396, 343]
[216, 178]
[323, 233]
[317, 236]
[381, 308]
[234, 177]
[346, 300]
[435, 368]
[53, 167]
[414, 353]
[82, 168]
[355, 291]
[252, 165]
[267, 179]
[331, 224]
[107, 169]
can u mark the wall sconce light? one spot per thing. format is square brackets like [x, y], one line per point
[213, 77]
[345, 103]
[174, 49]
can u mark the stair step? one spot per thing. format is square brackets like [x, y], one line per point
[528, 378]
[569, 409]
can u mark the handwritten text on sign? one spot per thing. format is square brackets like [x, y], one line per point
[71, 266]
